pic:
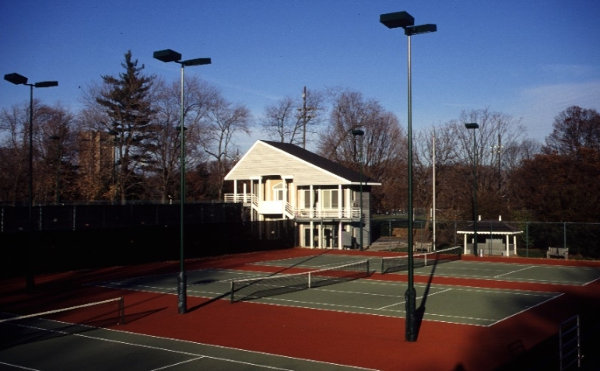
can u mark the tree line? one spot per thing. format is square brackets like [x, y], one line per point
[123, 146]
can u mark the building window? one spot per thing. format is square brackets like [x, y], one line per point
[330, 198]
[305, 198]
[278, 192]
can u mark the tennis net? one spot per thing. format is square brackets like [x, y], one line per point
[254, 288]
[104, 311]
[400, 263]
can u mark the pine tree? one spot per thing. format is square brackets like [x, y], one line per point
[129, 111]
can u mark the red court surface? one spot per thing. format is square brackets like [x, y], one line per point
[343, 338]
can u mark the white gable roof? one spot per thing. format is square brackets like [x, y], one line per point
[287, 160]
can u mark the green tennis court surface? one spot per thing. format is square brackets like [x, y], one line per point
[40, 344]
[453, 304]
[551, 274]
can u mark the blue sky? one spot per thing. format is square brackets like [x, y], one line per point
[529, 59]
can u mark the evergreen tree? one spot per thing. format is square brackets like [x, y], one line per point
[126, 99]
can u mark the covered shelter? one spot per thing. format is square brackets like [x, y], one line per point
[497, 234]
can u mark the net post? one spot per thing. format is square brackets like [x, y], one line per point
[368, 270]
[309, 280]
[231, 296]
[121, 303]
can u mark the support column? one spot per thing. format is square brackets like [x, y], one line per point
[312, 204]
[340, 232]
[340, 202]
[260, 197]
[465, 243]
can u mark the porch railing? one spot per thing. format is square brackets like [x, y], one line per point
[316, 213]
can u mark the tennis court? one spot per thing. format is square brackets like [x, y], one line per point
[42, 344]
[361, 313]
[380, 297]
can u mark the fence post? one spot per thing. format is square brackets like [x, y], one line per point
[74, 217]
[564, 234]
[527, 239]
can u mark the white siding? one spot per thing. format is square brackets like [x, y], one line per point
[262, 160]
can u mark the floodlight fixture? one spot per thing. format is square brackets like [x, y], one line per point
[415, 30]
[196, 62]
[45, 84]
[15, 78]
[167, 55]
[358, 132]
[472, 125]
[397, 19]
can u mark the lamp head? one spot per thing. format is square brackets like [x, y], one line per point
[45, 84]
[397, 19]
[196, 62]
[15, 78]
[358, 132]
[415, 30]
[167, 55]
[472, 125]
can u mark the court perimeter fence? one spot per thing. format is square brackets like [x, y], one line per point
[582, 239]
[66, 237]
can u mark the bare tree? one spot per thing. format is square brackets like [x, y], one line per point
[198, 98]
[499, 135]
[13, 154]
[573, 129]
[291, 120]
[383, 143]
[223, 120]
[56, 145]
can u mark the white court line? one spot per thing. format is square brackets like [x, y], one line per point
[178, 364]
[18, 366]
[198, 356]
[418, 297]
[515, 271]
[526, 309]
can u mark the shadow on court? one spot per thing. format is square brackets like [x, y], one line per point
[420, 311]
[228, 293]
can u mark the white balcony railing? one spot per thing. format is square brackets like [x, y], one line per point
[281, 207]
[241, 198]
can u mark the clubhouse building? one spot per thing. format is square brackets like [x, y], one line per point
[276, 181]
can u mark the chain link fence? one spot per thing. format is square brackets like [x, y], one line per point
[84, 236]
[534, 239]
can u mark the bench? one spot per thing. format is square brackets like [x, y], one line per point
[558, 252]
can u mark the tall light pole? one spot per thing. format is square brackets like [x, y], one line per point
[433, 191]
[17, 79]
[473, 126]
[169, 55]
[360, 133]
[406, 21]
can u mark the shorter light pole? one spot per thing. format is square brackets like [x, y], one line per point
[18, 79]
[473, 126]
[169, 55]
[360, 133]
